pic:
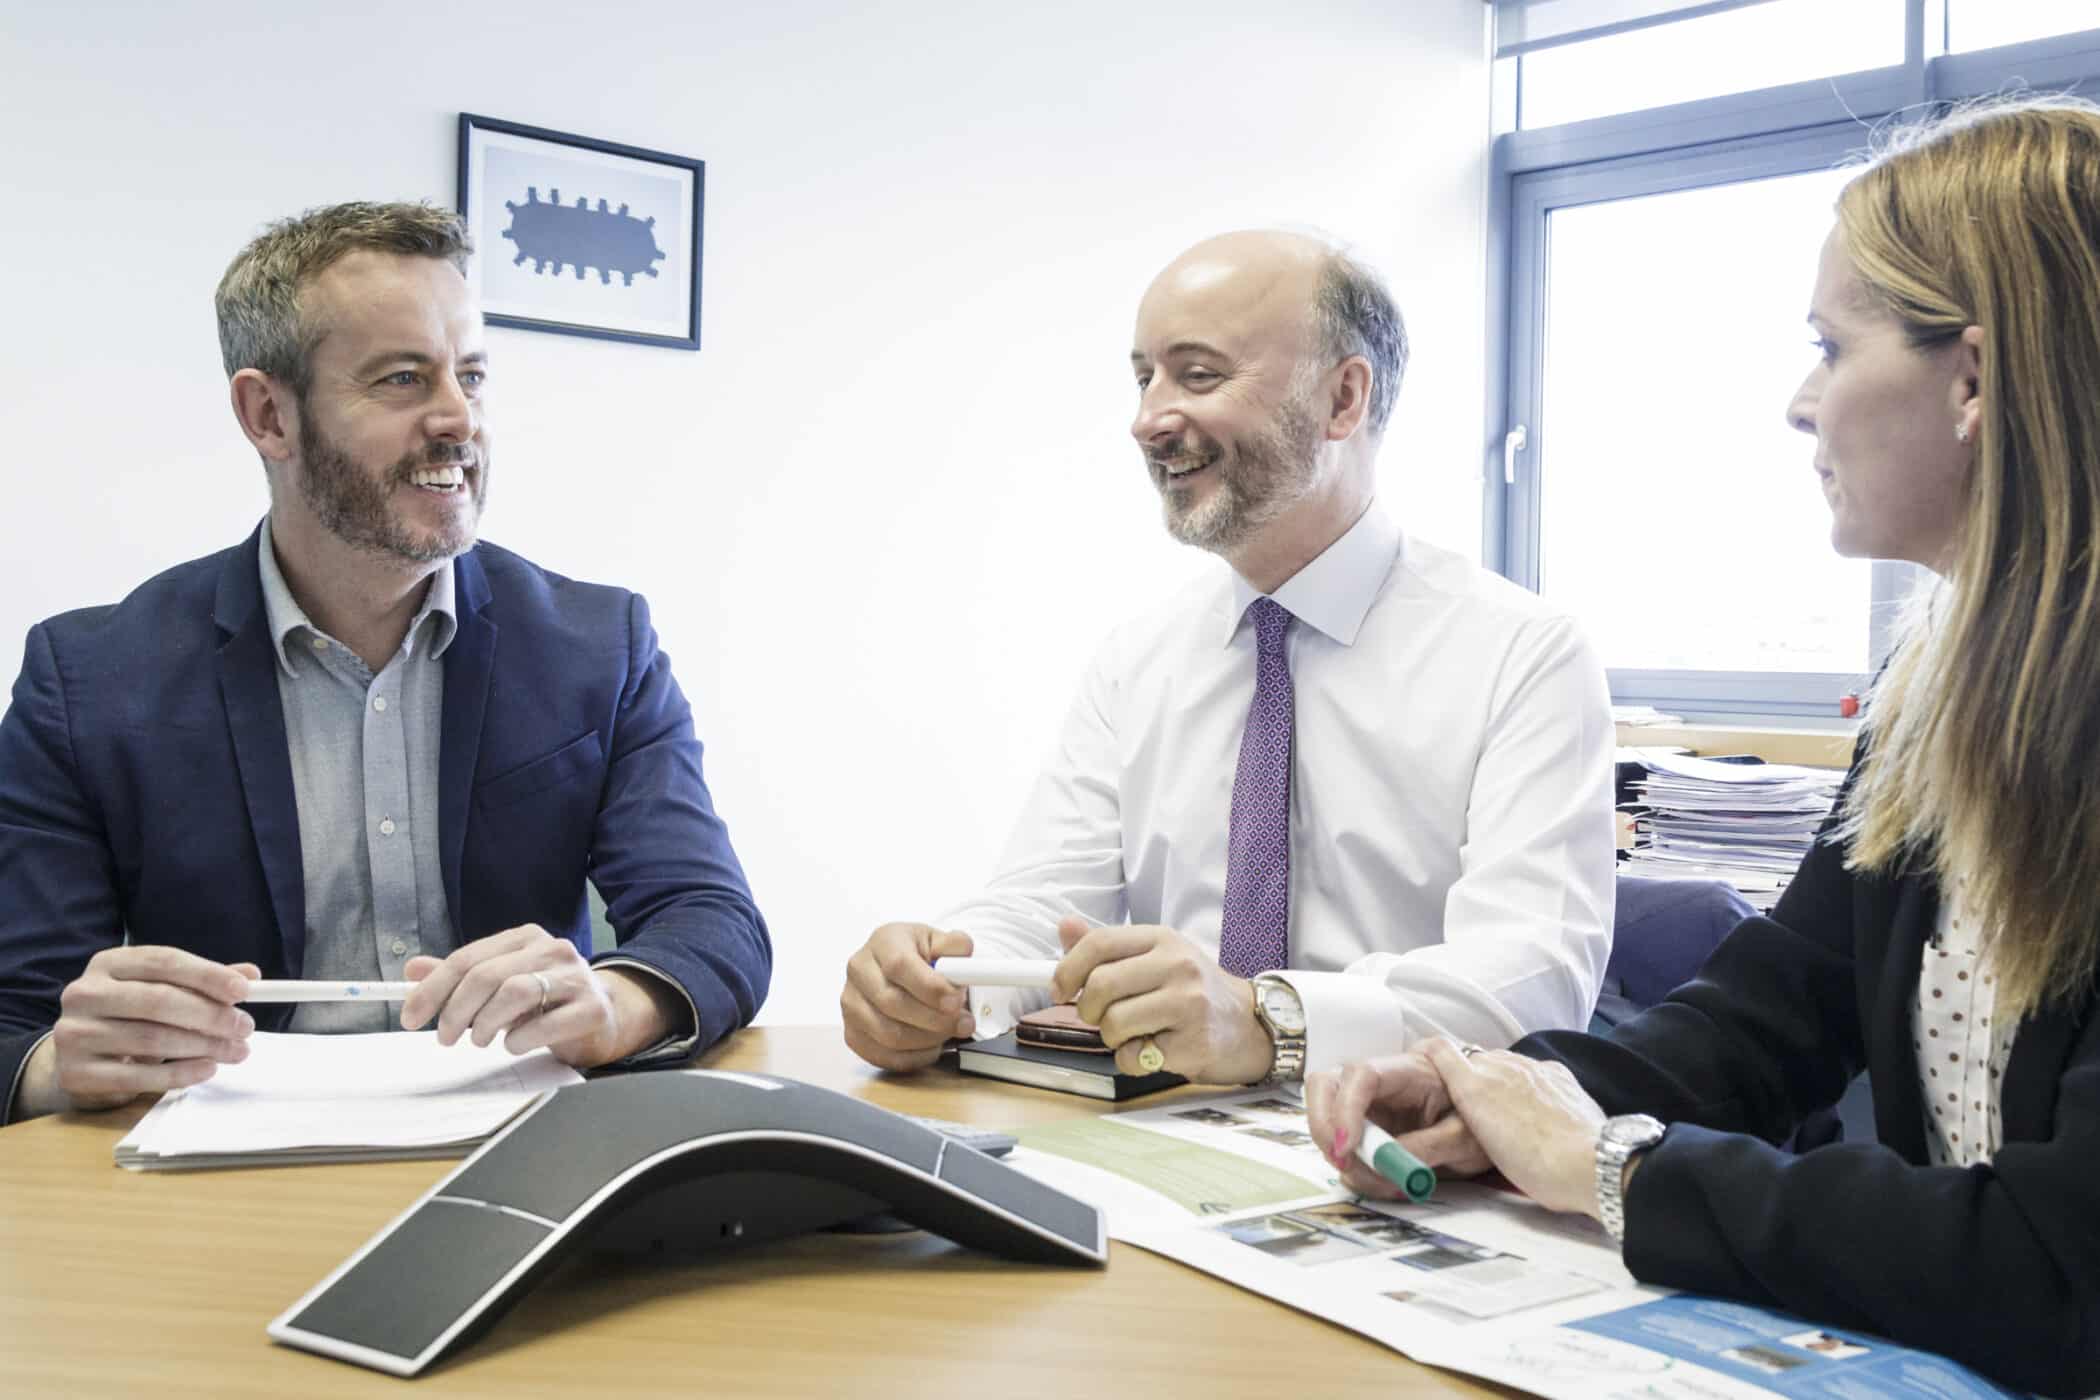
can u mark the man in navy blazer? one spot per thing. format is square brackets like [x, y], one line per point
[359, 743]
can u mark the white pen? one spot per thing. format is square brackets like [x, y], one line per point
[280, 990]
[997, 972]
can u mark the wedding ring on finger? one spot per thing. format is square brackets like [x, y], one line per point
[541, 978]
[1468, 1050]
[1150, 1060]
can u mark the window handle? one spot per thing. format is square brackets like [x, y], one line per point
[1512, 444]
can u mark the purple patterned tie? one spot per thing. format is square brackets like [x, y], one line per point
[1256, 935]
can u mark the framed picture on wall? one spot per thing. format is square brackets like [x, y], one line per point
[582, 237]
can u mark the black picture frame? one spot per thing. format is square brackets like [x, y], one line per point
[639, 241]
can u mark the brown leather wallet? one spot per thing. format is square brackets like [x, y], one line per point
[1059, 1028]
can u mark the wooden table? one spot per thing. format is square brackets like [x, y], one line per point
[123, 1283]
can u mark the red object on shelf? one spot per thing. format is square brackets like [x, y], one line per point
[1848, 706]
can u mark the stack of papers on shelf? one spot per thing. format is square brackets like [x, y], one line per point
[342, 1098]
[1747, 823]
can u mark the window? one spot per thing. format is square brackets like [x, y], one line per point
[1985, 24]
[1670, 474]
[1659, 264]
[1757, 46]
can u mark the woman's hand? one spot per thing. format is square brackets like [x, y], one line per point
[1463, 1111]
[1402, 1094]
[1530, 1117]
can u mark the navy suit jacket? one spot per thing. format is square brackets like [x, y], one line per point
[146, 788]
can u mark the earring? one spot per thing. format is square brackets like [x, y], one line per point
[1961, 431]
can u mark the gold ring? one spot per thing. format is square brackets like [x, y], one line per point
[541, 978]
[1149, 1058]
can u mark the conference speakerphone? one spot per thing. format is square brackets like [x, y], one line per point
[677, 1161]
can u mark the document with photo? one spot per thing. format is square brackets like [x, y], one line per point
[1477, 1279]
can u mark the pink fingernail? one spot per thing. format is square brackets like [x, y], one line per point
[1340, 1143]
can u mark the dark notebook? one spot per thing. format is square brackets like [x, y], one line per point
[1069, 1071]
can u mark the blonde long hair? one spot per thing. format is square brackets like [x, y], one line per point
[1984, 749]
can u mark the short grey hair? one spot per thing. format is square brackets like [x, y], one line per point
[260, 326]
[1354, 314]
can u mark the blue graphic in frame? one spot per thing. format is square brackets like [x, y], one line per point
[582, 237]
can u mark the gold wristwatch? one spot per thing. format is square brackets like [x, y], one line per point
[1282, 1014]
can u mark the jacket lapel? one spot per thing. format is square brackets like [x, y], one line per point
[2034, 1074]
[255, 714]
[1899, 1104]
[469, 662]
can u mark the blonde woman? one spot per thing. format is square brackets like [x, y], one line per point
[1942, 934]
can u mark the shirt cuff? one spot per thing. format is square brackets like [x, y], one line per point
[675, 1046]
[7, 1105]
[997, 1009]
[1347, 1017]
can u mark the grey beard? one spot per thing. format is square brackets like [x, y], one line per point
[356, 509]
[1269, 474]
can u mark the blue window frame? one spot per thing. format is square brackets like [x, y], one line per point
[1764, 135]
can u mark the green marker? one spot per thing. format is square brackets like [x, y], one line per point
[1395, 1163]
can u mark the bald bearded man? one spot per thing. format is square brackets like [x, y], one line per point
[1350, 792]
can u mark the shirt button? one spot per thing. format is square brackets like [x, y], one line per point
[386, 826]
[379, 703]
[400, 947]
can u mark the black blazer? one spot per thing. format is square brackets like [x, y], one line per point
[1996, 1266]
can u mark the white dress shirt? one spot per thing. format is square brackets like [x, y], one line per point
[1451, 799]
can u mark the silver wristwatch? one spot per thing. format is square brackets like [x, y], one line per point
[1617, 1141]
[1282, 1014]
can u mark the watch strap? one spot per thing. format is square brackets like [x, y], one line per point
[1618, 1141]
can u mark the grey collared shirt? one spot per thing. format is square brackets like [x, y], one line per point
[364, 752]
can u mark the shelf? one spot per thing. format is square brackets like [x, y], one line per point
[1817, 748]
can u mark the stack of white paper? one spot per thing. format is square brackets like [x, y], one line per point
[342, 1098]
[1747, 823]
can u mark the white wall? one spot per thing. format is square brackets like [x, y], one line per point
[888, 509]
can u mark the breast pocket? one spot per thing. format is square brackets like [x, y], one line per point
[566, 764]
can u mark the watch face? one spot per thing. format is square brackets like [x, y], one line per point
[1280, 1004]
[1632, 1130]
